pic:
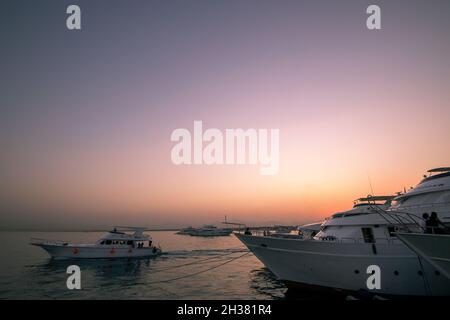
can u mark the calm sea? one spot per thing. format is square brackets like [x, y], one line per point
[27, 272]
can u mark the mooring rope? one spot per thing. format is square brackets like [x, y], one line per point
[200, 272]
[211, 259]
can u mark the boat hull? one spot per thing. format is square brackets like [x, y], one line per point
[94, 252]
[435, 248]
[343, 266]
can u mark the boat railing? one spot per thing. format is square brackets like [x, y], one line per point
[351, 240]
[355, 240]
[402, 219]
[260, 232]
[426, 205]
[47, 241]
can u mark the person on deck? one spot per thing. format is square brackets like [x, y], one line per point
[424, 222]
[436, 224]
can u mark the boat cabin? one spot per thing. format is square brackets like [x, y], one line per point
[120, 238]
[365, 222]
[365, 205]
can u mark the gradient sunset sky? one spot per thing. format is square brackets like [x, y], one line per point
[86, 116]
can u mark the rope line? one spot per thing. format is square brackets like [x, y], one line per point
[202, 271]
[194, 262]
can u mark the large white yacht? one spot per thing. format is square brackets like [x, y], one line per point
[115, 244]
[430, 195]
[339, 255]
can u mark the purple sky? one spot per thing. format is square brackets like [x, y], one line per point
[86, 116]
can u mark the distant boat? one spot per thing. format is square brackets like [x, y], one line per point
[206, 231]
[115, 244]
[187, 230]
[308, 231]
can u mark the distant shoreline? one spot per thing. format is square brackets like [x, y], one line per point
[150, 230]
[93, 230]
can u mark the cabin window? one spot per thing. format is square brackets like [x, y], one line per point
[108, 241]
[129, 242]
[368, 235]
[103, 242]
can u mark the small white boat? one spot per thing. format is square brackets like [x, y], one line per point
[211, 231]
[115, 244]
[187, 230]
[206, 231]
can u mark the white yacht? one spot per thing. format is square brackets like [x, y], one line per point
[187, 230]
[115, 244]
[206, 231]
[339, 255]
[430, 195]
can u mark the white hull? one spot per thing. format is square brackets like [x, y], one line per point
[343, 266]
[435, 248]
[96, 252]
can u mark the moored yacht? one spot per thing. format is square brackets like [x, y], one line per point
[187, 230]
[115, 244]
[339, 255]
[432, 194]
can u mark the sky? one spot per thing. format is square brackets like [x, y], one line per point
[87, 115]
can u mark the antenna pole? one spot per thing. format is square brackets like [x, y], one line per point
[370, 183]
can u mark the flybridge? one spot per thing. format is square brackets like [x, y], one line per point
[443, 169]
[441, 172]
[370, 198]
[373, 200]
[119, 234]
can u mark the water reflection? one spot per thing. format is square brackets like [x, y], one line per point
[102, 268]
[136, 276]
[266, 283]
[30, 274]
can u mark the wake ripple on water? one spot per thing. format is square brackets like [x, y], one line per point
[188, 269]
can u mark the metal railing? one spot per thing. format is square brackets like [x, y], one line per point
[404, 219]
[47, 241]
[392, 240]
[427, 205]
